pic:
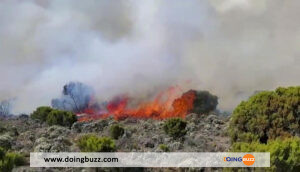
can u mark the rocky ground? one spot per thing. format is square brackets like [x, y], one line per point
[205, 133]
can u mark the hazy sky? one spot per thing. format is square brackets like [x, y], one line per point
[229, 47]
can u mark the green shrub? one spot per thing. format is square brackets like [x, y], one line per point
[6, 141]
[175, 127]
[59, 117]
[92, 143]
[285, 154]
[41, 113]
[53, 116]
[267, 115]
[17, 158]
[116, 131]
[164, 148]
[9, 160]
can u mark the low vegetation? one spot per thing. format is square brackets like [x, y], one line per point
[54, 116]
[92, 143]
[285, 154]
[164, 148]
[116, 131]
[175, 127]
[9, 160]
[6, 141]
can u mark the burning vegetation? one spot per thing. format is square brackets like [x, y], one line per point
[170, 103]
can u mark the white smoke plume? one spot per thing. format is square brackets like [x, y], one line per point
[229, 47]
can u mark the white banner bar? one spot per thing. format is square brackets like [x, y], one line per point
[150, 159]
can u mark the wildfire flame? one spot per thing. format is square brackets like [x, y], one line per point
[167, 104]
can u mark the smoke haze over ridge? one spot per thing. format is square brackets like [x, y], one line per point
[229, 47]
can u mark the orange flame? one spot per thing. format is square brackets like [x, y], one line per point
[166, 104]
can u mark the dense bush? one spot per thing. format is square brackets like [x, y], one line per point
[199, 102]
[116, 131]
[9, 160]
[285, 154]
[59, 117]
[41, 113]
[267, 115]
[92, 143]
[54, 116]
[175, 127]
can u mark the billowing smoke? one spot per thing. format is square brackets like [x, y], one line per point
[75, 97]
[228, 47]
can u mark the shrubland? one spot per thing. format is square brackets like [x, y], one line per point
[54, 116]
[285, 154]
[9, 160]
[267, 122]
[60, 117]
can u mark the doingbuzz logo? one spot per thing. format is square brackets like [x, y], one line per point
[247, 159]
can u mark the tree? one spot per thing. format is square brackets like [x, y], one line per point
[5, 107]
[202, 101]
[76, 97]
